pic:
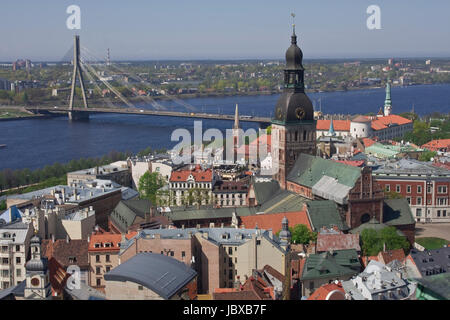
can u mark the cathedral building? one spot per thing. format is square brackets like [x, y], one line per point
[293, 126]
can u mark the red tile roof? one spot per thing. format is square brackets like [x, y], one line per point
[368, 142]
[273, 220]
[383, 122]
[111, 238]
[197, 173]
[261, 140]
[330, 291]
[338, 125]
[327, 242]
[361, 119]
[63, 251]
[58, 277]
[436, 145]
[391, 255]
[353, 163]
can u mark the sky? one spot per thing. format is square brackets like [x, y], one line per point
[231, 29]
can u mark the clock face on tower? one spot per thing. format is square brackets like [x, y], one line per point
[300, 113]
[35, 282]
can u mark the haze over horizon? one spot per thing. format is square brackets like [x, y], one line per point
[205, 30]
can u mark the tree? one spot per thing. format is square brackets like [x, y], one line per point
[300, 234]
[373, 241]
[2, 205]
[427, 155]
[149, 184]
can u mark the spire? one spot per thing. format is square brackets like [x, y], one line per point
[331, 130]
[236, 118]
[294, 36]
[387, 101]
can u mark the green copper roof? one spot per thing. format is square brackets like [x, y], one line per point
[388, 102]
[435, 287]
[324, 214]
[397, 212]
[331, 265]
[373, 224]
[126, 211]
[308, 170]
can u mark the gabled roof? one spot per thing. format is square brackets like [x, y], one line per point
[198, 174]
[126, 211]
[331, 265]
[439, 284]
[324, 214]
[338, 125]
[327, 178]
[273, 220]
[10, 215]
[386, 121]
[341, 241]
[110, 238]
[391, 255]
[437, 144]
[63, 251]
[397, 212]
[160, 273]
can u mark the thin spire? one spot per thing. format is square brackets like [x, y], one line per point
[236, 118]
[294, 36]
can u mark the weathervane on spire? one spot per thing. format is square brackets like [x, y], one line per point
[293, 21]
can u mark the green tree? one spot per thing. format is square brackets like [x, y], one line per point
[300, 234]
[427, 155]
[149, 184]
[373, 241]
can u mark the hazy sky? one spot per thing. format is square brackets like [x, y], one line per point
[226, 29]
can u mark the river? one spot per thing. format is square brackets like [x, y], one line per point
[36, 143]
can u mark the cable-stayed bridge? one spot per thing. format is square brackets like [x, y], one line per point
[86, 64]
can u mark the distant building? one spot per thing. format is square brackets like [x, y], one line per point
[5, 84]
[151, 276]
[441, 145]
[117, 172]
[425, 187]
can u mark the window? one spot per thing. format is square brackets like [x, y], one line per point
[442, 189]
[398, 188]
[17, 248]
[442, 201]
[183, 254]
[444, 213]
[429, 190]
[230, 262]
[99, 282]
[408, 199]
[18, 272]
[388, 188]
[5, 273]
[97, 270]
[419, 189]
[258, 242]
[140, 288]
[171, 253]
[97, 258]
[107, 258]
[419, 200]
[230, 274]
[439, 213]
[230, 250]
[418, 212]
[408, 189]
[18, 260]
[108, 268]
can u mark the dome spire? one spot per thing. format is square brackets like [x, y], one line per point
[294, 36]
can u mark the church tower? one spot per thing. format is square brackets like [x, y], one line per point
[37, 274]
[293, 125]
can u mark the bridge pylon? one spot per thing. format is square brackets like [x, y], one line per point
[74, 115]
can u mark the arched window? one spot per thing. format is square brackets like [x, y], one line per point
[365, 218]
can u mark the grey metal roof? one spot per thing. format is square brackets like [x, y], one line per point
[16, 291]
[162, 274]
[17, 230]
[329, 188]
[85, 292]
[431, 261]
[410, 166]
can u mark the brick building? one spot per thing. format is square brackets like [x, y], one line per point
[425, 187]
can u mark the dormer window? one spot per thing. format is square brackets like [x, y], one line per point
[97, 245]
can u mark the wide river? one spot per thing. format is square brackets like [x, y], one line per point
[36, 143]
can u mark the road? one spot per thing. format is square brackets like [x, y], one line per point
[439, 230]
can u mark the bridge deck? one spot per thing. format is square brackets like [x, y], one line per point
[193, 115]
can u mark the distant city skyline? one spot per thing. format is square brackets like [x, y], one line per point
[232, 30]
